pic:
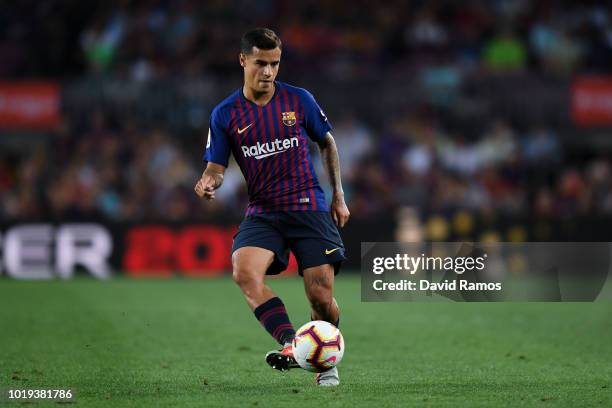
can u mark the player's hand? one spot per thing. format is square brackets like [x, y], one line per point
[205, 187]
[339, 211]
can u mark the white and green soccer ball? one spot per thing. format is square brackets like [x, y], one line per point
[318, 346]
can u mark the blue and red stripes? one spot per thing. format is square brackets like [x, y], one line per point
[295, 173]
[306, 185]
[285, 181]
[274, 318]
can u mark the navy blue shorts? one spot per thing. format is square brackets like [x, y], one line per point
[312, 236]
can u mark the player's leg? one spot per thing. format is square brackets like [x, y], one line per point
[319, 250]
[319, 286]
[250, 265]
[249, 271]
[259, 250]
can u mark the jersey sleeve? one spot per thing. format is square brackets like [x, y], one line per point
[315, 121]
[217, 145]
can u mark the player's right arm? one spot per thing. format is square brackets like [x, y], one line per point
[211, 179]
[216, 154]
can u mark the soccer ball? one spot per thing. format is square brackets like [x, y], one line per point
[318, 346]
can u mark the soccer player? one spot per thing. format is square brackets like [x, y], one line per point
[266, 125]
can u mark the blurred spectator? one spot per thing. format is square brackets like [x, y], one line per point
[541, 148]
[426, 152]
[497, 146]
[459, 156]
[354, 141]
[505, 52]
[101, 40]
[553, 48]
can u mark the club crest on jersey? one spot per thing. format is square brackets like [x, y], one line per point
[289, 118]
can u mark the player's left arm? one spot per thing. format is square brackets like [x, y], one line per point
[329, 153]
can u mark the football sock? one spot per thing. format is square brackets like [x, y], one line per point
[273, 317]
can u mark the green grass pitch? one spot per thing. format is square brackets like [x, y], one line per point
[194, 343]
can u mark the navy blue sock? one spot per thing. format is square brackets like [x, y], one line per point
[273, 317]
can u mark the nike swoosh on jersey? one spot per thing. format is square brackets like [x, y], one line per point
[241, 131]
[329, 251]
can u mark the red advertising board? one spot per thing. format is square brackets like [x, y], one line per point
[29, 105]
[592, 101]
[193, 250]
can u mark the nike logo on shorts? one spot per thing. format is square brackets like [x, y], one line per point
[329, 251]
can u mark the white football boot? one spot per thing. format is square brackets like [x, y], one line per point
[329, 378]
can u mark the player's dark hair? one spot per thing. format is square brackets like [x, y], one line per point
[262, 38]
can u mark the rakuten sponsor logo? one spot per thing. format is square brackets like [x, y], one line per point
[261, 150]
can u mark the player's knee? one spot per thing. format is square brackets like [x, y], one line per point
[246, 277]
[242, 279]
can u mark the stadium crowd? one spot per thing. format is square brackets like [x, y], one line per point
[157, 39]
[123, 171]
[120, 168]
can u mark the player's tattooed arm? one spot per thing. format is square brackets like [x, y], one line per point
[211, 179]
[329, 153]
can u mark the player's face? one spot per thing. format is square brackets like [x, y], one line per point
[260, 68]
